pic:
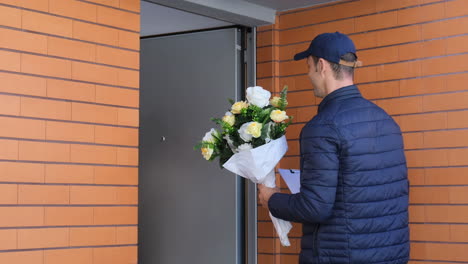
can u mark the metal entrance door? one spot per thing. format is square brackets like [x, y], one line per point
[190, 211]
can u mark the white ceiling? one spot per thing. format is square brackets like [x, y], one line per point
[172, 16]
[158, 20]
[282, 5]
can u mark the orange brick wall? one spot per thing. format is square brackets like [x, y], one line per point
[415, 55]
[69, 98]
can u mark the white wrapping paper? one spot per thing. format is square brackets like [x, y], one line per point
[258, 165]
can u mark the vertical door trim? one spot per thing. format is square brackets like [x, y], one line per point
[250, 188]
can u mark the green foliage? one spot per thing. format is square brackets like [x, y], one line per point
[283, 102]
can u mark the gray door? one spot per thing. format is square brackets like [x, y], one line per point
[190, 211]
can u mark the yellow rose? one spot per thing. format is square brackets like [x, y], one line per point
[207, 152]
[254, 129]
[275, 101]
[229, 118]
[238, 106]
[278, 116]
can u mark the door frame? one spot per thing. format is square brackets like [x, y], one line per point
[248, 75]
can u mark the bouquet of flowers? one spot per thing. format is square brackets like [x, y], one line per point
[252, 141]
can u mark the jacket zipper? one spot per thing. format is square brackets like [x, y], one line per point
[316, 245]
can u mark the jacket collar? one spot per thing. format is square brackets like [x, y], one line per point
[339, 94]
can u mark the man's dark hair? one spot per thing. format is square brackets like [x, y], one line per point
[340, 70]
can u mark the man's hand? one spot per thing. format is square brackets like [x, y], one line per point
[264, 194]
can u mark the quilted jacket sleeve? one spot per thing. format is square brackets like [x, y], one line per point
[320, 147]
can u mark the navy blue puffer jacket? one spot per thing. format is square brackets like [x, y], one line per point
[353, 201]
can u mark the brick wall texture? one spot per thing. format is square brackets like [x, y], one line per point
[415, 55]
[69, 98]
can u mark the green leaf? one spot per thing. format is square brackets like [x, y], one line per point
[283, 102]
[218, 121]
[198, 146]
[217, 137]
[266, 115]
[266, 130]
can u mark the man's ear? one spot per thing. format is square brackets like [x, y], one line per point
[321, 65]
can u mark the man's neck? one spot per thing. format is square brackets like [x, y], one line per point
[334, 85]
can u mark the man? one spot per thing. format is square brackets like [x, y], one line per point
[353, 201]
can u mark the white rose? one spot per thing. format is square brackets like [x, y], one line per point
[258, 96]
[229, 118]
[278, 116]
[243, 132]
[245, 146]
[207, 152]
[209, 136]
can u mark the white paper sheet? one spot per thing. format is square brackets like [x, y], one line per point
[292, 179]
[258, 165]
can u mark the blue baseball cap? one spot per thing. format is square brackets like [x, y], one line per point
[330, 46]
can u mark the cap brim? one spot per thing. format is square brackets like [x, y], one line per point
[301, 55]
